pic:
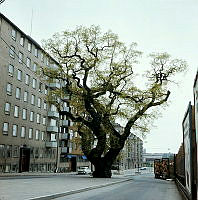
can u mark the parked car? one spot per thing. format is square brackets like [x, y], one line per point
[84, 170]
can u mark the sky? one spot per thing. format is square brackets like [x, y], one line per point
[156, 25]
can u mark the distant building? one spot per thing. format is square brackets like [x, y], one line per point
[131, 155]
[148, 158]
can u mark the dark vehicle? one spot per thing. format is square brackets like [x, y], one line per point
[162, 168]
[157, 168]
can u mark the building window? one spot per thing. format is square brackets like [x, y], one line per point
[14, 130]
[7, 108]
[15, 151]
[16, 111]
[27, 79]
[34, 67]
[29, 46]
[28, 62]
[39, 102]
[14, 34]
[9, 151]
[24, 114]
[19, 75]
[33, 99]
[34, 83]
[36, 52]
[30, 135]
[45, 105]
[10, 70]
[5, 128]
[42, 57]
[46, 88]
[9, 89]
[18, 93]
[44, 120]
[40, 86]
[47, 61]
[42, 135]
[38, 117]
[25, 97]
[22, 39]
[31, 116]
[20, 57]
[37, 135]
[12, 51]
[22, 131]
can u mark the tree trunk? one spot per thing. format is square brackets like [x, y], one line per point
[102, 168]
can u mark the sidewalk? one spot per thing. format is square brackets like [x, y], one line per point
[21, 186]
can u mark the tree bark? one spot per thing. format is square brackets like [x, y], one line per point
[102, 168]
[103, 164]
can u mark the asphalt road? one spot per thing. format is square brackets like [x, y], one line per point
[142, 187]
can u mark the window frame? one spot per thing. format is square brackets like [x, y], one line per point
[25, 97]
[20, 57]
[31, 133]
[31, 116]
[9, 89]
[14, 130]
[12, 51]
[23, 133]
[29, 46]
[22, 40]
[24, 114]
[5, 128]
[10, 72]
[18, 93]
[7, 111]
[19, 75]
[28, 62]
[27, 79]
[16, 111]
[13, 34]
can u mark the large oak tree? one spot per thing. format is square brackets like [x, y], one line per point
[98, 71]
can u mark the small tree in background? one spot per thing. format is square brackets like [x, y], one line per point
[99, 72]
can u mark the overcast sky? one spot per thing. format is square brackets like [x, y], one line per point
[156, 25]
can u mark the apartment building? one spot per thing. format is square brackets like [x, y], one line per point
[131, 155]
[34, 136]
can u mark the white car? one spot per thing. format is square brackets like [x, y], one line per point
[143, 168]
[84, 170]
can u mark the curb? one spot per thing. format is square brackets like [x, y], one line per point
[57, 195]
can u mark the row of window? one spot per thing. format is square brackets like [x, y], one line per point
[18, 95]
[9, 151]
[27, 79]
[39, 135]
[37, 53]
[24, 114]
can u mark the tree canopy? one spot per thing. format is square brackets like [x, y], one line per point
[98, 70]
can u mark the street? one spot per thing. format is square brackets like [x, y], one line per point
[83, 187]
[143, 187]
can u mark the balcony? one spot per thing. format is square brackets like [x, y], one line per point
[52, 144]
[64, 136]
[64, 122]
[53, 114]
[64, 150]
[54, 85]
[65, 109]
[52, 129]
[66, 97]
